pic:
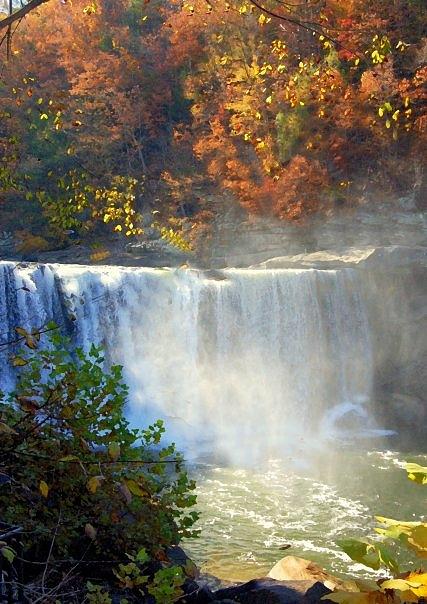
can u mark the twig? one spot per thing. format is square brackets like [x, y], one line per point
[52, 543]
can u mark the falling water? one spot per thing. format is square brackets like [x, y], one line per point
[246, 364]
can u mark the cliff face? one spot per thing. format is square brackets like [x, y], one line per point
[241, 241]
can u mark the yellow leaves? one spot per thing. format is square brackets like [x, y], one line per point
[263, 19]
[189, 8]
[265, 69]
[175, 239]
[381, 47]
[94, 483]
[18, 361]
[269, 99]
[90, 9]
[136, 489]
[408, 589]
[412, 587]
[417, 540]
[44, 489]
[224, 60]
[416, 472]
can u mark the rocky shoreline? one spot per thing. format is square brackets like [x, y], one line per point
[292, 580]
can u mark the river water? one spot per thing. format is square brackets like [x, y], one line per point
[248, 515]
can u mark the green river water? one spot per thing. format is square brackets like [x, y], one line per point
[248, 515]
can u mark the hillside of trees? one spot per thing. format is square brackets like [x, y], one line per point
[112, 111]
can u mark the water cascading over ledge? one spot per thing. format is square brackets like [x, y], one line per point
[248, 364]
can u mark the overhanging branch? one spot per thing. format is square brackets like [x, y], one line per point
[16, 16]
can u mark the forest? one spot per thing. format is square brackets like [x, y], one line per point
[139, 120]
[115, 112]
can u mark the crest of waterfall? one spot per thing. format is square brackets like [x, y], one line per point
[249, 364]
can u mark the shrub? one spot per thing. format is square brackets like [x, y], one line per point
[74, 475]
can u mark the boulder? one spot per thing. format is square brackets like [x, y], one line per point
[292, 568]
[270, 591]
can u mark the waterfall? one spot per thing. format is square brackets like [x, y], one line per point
[243, 363]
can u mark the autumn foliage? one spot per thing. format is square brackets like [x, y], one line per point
[113, 109]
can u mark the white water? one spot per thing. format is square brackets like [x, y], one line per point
[247, 365]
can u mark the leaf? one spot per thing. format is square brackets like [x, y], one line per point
[8, 553]
[27, 404]
[416, 473]
[44, 488]
[90, 531]
[136, 489]
[417, 540]
[21, 331]
[361, 551]
[412, 588]
[142, 556]
[124, 489]
[94, 483]
[6, 429]
[114, 451]
[30, 342]
[69, 458]
[19, 362]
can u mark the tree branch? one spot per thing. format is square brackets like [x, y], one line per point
[21, 13]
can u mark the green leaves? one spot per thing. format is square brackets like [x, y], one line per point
[75, 457]
[371, 555]
[8, 553]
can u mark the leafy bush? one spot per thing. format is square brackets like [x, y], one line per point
[73, 473]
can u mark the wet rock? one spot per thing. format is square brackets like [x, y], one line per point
[177, 556]
[270, 591]
[196, 593]
[292, 568]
